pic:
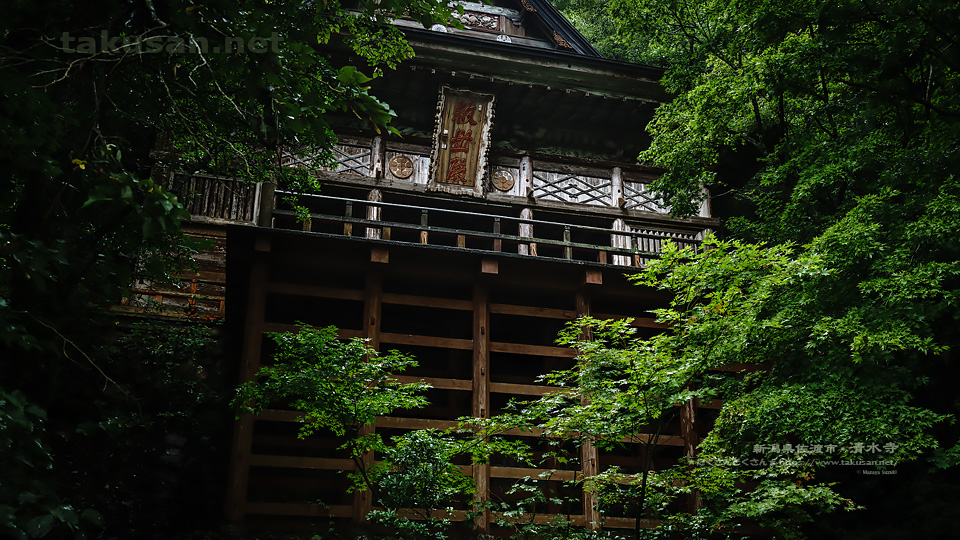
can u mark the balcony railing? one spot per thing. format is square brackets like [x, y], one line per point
[621, 244]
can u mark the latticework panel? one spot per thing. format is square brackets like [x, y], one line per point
[637, 197]
[348, 158]
[572, 188]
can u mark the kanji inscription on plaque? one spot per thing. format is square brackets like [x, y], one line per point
[461, 138]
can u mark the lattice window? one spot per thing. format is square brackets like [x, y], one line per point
[572, 188]
[638, 198]
[349, 159]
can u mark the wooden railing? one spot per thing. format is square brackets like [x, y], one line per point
[215, 197]
[622, 244]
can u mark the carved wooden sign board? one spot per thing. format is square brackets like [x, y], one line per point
[460, 142]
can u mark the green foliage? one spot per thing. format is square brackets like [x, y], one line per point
[98, 100]
[29, 504]
[828, 134]
[620, 395]
[418, 485]
[339, 385]
[149, 450]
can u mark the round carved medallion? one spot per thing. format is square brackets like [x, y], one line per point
[503, 180]
[401, 166]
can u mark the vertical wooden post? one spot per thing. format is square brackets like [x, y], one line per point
[497, 242]
[526, 177]
[481, 390]
[376, 157]
[348, 213]
[423, 223]
[616, 188]
[374, 212]
[589, 457]
[249, 366]
[691, 439]
[372, 300]
[526, 231]
[265, 204]
[567, 250]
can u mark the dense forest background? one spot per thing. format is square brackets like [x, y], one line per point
[827, 132]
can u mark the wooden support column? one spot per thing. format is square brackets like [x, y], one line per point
[589, 457]
[481, 390]
[372, 300]
[348, 213]
[249, 366]
[617, 199]
[374, 213]
[526, 231]
[266, 202]
[691, 439]
[424, 239]
[526, 177]
[376, 157]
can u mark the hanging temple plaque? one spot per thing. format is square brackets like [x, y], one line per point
[460, 141]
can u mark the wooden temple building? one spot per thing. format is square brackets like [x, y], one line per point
[511, 204]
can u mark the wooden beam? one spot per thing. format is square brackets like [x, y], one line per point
[426, 341]
[709, 403]
[299, 509]
[250, 365]
[593, 276]
[489, 266]
[691, 439]
[640, 322]
[316, 291]
[414, 423]
[481, 392]
[589, 457]
[532, 311]
[301, 462]
[379, 254]
[266, 203]
[372, 302]
[542, 474]
[533, 350]
[426, 301]
[342, 333]
[523, 389]
[436, 382]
